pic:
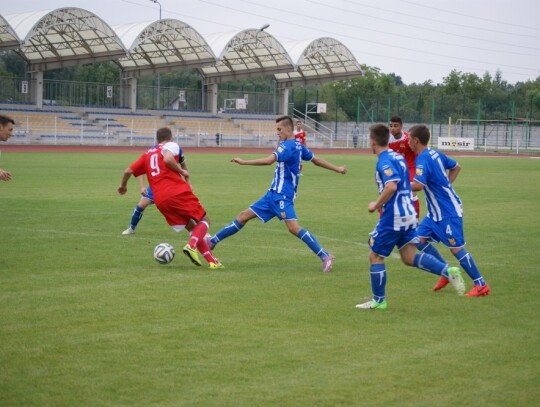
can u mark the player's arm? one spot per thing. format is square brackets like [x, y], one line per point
[5, 175]
[389, 189]
[416, 186]
[170, 161]
[319, 162]
[271, 159]
[184, 167]
[122, 189]
[453, 173]
[142, 187]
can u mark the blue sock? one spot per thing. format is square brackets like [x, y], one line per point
[136, 216]
[312, 243]
[227, 231]
[466, 261]
[430, 249]
[429, 263]
[377, 273]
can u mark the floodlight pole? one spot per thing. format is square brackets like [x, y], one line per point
[264, 27]
[158, 75]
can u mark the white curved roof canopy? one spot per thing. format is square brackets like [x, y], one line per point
[65, 37]
[8, 36]
[164, 45]
[325, 59]
[71, 36]
[248, 53]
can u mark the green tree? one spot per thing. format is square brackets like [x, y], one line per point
[11, 64]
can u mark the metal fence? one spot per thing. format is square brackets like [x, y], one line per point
[492, 136]
[514, 131]
[487, 137]
[70, 93]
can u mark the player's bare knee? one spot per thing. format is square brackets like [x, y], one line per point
[244, 216]
[374, 258]
[293, 231]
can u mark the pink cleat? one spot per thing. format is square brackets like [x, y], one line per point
[327, 263]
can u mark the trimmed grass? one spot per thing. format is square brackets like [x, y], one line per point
[87, 317]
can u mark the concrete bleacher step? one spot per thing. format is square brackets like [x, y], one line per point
[106, 125]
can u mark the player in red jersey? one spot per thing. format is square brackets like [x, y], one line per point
[399, 142]
[172, 193]
[300, 135]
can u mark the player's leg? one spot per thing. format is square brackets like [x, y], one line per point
[260, 209]
[201, 244]
[425, 233]
[178, 210]
[432, 231]
[189, 205]
[284, 210]
[455, 241]
[425, 247]
[377, 273]
[382, 243]
[231, 229]
[137, 214]
[311, 241]
[424, 261]
[466, 261]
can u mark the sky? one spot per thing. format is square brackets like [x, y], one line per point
[418, 40]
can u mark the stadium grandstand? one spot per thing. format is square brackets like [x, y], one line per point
[66, 37]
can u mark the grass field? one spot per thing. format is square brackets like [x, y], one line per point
[88, 318]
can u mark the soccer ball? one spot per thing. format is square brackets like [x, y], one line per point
[164, 253]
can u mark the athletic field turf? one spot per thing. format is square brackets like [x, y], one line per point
[88, 318]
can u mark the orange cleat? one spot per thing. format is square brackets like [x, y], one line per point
[478, 291]
[443, 282]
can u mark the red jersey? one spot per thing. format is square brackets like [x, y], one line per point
[164, 182]
[300, 136]
[401, 146]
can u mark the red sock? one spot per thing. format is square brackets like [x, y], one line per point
[197, 241]
[417, 207]
[206, 252]
[197, 234]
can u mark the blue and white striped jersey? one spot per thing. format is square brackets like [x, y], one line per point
[289, 155]
[398, 212]
[442, 201]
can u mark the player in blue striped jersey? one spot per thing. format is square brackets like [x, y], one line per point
[279, 199]
[397, 223]
[435, 174]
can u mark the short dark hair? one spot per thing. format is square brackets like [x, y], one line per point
[380, 134]
[4, 120]
[163, 134]
[420, 132]
[396, 119]
[286, 119]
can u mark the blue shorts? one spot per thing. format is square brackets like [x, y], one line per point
[149, 194]
[274, 205]
[447, 231]
[382, 242]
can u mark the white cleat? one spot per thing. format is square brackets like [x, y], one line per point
[373, 305]
[455, 278]
[128, 231]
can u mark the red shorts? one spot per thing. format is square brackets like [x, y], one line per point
[179, 209]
